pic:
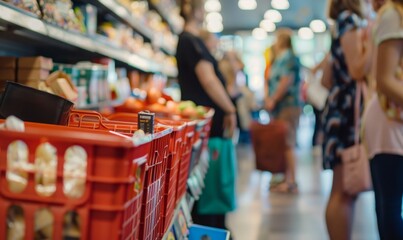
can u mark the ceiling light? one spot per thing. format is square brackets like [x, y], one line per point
[247, 4]
[273, 15]
[317, 26]
[213, 17]
[259, 33]
[212, 6]
[305, 33]
[267, 25]
[215, 27]
[280, 4]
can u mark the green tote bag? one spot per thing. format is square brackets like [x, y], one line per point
[219, 194]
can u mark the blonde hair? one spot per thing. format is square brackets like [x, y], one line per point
[338, 6]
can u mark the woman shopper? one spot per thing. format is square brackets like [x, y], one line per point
[383, 123]
[283, 102]
[351, 60]
[201, 81]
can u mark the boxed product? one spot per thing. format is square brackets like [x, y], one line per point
[61, 85]
[33, 74]
[35, 62]
[8, 62]
[7, 74]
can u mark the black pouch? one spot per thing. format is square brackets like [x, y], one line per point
[32, 105]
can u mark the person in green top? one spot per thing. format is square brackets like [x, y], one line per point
[282, 101]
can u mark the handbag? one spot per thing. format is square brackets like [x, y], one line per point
[316, 93]
[355, 162]
[219, 194]
[269, 145]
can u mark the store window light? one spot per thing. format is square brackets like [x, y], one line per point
[280, 4]
[212, 6]
[317, 26]
[267, 25]
[215, 27]
[213, 17]
[305, 33]
[259, 34]
[273, 15]
[247, 4]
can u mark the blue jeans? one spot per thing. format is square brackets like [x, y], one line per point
[387, 177]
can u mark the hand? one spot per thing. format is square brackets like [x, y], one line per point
[269, 104]
[229, 125]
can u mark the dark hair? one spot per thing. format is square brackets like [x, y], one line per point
[338, 6]
[188, 7]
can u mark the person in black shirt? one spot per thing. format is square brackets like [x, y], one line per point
[201, 82]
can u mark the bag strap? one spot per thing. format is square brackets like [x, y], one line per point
[357, 116]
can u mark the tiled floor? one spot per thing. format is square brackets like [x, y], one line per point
[262, 215]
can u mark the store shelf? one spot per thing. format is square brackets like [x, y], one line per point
[124, 15]
[166, 16]
[50, 32]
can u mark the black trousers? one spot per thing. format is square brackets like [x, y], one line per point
[387, 177]
[210, 220]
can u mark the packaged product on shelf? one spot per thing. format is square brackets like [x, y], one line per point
[38, 62]
[7, 74]
[61, 85]
[27, 75]
[70, 70]
[89, 14]
[28, 5]
[139, 9]
[61, 13]
[8, 62]
[8, 67]
[94, 78]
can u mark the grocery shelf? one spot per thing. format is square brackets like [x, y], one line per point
[15, 16]
[165, 15]
[121, 12]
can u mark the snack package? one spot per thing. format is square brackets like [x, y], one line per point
[43, 224]
[17, 166]
[61, 13]
[75, 172]
[28, 5]
[45, 165]
[15, 223]
[71, 226]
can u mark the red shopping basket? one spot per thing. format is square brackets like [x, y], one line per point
[175, 153]
[151, 218]
[109, 206]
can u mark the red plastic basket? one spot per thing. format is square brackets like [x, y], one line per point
[151, 218]
[176, 146]
[110, 205]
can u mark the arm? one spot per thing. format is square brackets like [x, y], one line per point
[389, 55]
[283, 86]
[357, 51]
[213, 87]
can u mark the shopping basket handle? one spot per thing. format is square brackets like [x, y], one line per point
[86, 119]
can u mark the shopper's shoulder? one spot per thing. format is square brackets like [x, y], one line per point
[389, 25]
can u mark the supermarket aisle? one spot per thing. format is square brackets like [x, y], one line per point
[262, 215]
